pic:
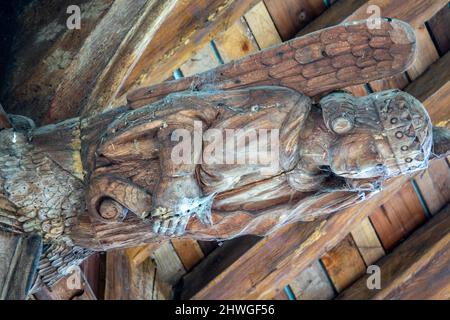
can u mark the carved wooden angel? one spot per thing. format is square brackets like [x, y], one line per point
[161, 167]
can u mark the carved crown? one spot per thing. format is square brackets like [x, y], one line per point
[407, 128]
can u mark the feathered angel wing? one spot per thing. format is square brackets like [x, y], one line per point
[336, 57]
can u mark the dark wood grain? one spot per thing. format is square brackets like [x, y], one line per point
[19, 255]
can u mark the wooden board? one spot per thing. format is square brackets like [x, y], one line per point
[125, 281]
[426, 53]
[343, 263]
[433, 89]
[290, 16]
[236, 42]
[438, 26]
[282, 295]
[201, 61]
[366, 239]
[276, 260]
[190, 25]
[170, 269]
[262, 27]
[94, 270]
[434, 185]
[45, 48]
[19, 256]
[398, 217]
[415, 12]
[61, 291]
[188, 251]
[5, 123]
[312, 284]
[417, 269]
[215, 263]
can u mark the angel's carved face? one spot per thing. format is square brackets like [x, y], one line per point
[357, 156]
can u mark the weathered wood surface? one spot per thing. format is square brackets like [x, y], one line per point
[62, 290]
[312, 284]
[215, 263]
[367, 241]
[275, 260]
[438, 26]
[230, 43]
[433, 89]
[309, 64]
[343, 263]
[262, 27]
[170, 268]
[434, 185]
[94, 271]
[236, 42]
[426, 53]
[290, 16]
[188, 26]
[126, 281]
[44, 48]
[415, 12]
[19, 255]
[397, 218]
[417, 269]
[120, 44]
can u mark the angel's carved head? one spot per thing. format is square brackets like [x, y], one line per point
[382, 135]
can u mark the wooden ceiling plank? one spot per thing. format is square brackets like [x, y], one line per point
[290, 16]
[426, 53]
[398, 217]
[262, 26]
[18, 254]
[201, 61]
[236, 42]
[417, 269]
[344, 263]
[439, 25]
[170, 269]
[433, 89]
[216, 262]
[366, 239]
[179, 35]
[188, 251]
[45, 48]
[126, 281]
[94, 270]
[434, 185]
[313, 284]
[277, 259]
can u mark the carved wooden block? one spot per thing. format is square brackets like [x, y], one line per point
[162, 166]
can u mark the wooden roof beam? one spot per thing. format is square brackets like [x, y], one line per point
[417, 269]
